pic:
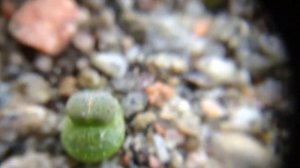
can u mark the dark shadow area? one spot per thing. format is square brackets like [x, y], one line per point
[285, 18]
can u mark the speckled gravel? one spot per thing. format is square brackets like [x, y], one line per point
[199, 88]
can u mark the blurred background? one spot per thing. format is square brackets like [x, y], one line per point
[202, 83]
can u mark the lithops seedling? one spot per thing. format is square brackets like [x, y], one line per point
[93, 126]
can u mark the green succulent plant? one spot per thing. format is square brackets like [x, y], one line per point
[93, 127]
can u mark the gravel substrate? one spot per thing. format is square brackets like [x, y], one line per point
[199, 81]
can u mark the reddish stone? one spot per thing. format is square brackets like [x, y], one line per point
[158, 93]
[46, 25]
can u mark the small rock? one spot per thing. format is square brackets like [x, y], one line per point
[53, 28]
[245, 118]
[167, 62]
[111, 164]
[107, 18]
[197, 159]
[82, 63]
[90, 78]
[134, 26]
[67, 86]
[212, 109]
[29, 159]
[84, 41]
[161, 149]
[43, 63]
[27, 119]
[252, 61]
[173, 138]
[176, 159]
[158, 93]
[113, 64]
[201, 27]
[269, 92]
[239, 150]
[153, 162]
[198, 79]
[133, 81]
[142, 120]
[189, 125]
[33, 88]
[134, 102]
[219, 69]
[109, 40]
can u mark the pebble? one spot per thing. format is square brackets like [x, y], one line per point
[27, 120]
[84, 41]
[53, 28]
[188, 125]
[173, 138]
[212, 109]
[110, 164]
[89, 78]
[133, 81]
[161, 149]
[272, 47]
[142, 120]
[176, 159]
[158, 93]
[33, 87]
[254, 62]
[269, 92]
[112, 64]
[109, 40]
[134, 102]
[245, 118]
[219, 69]
[168, 62]
[43, 63]
[197, 79]
[134, 26]
[179, 112]
[34, 159]
[202, 27]
[30, 159]
[197, 47]
[67, 86]
[153, 162]
[239, 150]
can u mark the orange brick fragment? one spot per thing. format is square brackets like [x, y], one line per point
[202, 27]
[46, 25]
[158, 93]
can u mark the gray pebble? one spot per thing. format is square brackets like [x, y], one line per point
[112, 64]
[43, 63]
[90, 78]
[134, 102]
[142, 120]
[33, 87]
[161, 149]
[27, 120]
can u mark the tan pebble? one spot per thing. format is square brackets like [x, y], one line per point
[46, 25]
[67, 86]
[188, 125]
[211, 109]
[240, 150]
[141, 121]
